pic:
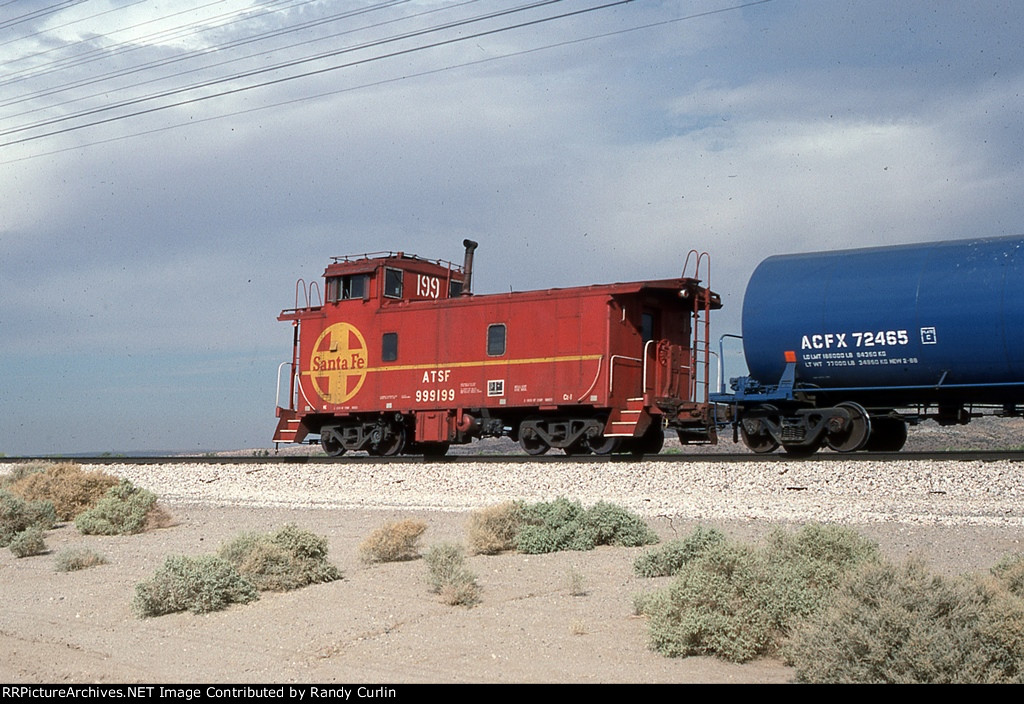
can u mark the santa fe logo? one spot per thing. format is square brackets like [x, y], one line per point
[337, 366]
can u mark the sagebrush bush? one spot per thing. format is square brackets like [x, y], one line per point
[393, 542]
[73, 559]
[901, 623]
[197, 584]
[565, 525]
[288, 559]
[28, 542]
[670, 558]
[739, 601]
[449, 576]
[18, 515]
[493, 529]
[1010, 571]
[124, 510]
[70, 489]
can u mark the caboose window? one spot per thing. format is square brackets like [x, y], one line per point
[647, 326]
[496, 340]
[340, 288]
[454, 289]
[389, 347]
[393, 283]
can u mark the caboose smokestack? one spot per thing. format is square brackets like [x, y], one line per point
[467, 267]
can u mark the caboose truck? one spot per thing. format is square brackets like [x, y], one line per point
[402, 357]
[846, 348]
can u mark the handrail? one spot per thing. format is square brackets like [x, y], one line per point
[277, 399]
[346, 258]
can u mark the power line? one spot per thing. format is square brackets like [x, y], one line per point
[290, 64]
[373, 83]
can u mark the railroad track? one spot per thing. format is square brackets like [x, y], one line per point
[679, 458]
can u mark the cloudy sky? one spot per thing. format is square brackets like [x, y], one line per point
[169, 169]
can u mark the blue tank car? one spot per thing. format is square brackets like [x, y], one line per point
[844, 348]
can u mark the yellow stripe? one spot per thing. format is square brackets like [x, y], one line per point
[464, 365]
[485, 363]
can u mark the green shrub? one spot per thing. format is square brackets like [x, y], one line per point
[124, 510]
[739, 601]
[565, 525]
[809, 564]
[1010, 571]
[70, 489]
[393, 542]
[196, 584]
[72, 559]
[493, 529]
[28, 542]
[901, 623]
[18, 515]
[670, 558]
[449, 576]
[288, 559]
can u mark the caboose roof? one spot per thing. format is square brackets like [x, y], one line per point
[370, 261]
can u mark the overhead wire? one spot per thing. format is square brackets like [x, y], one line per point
[204, 52]
[210, 118]
[292, 63]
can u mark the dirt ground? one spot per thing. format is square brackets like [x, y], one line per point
[380, 624]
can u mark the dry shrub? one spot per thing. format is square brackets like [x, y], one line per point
[393, 542]
[493, 529]
[449, 577]
[288, 559]
[70, 489]
[73, 559]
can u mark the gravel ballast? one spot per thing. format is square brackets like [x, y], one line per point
[925, 492]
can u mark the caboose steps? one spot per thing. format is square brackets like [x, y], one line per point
[628, 422]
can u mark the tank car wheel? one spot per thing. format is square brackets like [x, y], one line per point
[887, 435]
[331, 444]
[857, 431]
[756, 437]
[799, 451]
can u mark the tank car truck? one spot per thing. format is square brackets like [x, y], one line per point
[845, 348]
[400, 356]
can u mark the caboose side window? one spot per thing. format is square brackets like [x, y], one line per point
[393, 283]
[454, 289]
[496, 340]
[389, 347]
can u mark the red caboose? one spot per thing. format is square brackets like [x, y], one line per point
[402, 357]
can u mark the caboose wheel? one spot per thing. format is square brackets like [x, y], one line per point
[855, 432]
[391, 444]
[602, 445]
[532, 443]
[331, 443]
